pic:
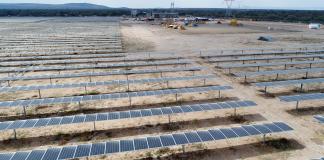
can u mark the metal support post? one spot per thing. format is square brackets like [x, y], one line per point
[169, 118]
[24, 109]
[277, 77]
[15, 134]
[130, 101]
[219, 94]
[301, 87]
[39, 93]
[94, 125]
[176, 97]
[85, 89]
[8, 83]
[258, 68]
[161, 75]
[90, 79]
[51, 81]
[297, 105]
[205, 82]
[235, 111]
[306, 74]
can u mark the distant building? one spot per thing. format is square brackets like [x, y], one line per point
[314, 26]
[157, 15]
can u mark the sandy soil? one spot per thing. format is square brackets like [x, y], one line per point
[306, 141]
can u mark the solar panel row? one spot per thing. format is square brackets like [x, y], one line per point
[102, 66]
[266, 58]
[35, 123]
[289, 82]
[92, 60]
[274, 72]
[3, 59]
[65, 52]
[75, 99]
[93, 74]
[270, 64]
[302, 97]
[152, 142]
[263, 53]
[320, 118]
[105, 83]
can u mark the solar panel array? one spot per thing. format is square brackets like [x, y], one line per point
[302, 97]
[289, 82]
[93, 74]
[73, 61]
[105, 83]
[270, 64]
[151, 142]
[320, 118]
[102, 66]
[76, 56]
[75, 99]
[43, 122]
[264, 53]
[65, 52]
[274, 72]
[266, 58]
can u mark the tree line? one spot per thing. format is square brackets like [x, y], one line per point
[303, 16]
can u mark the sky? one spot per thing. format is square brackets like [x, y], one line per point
[244, 4]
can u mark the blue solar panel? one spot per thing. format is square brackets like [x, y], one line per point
[167, 140]
[97, 149]
[283, 126]
[217, 134]
[192, 137]
[85, 150]
[67, 152]
[82, 150]
[180, 139]
[52, 153]
[6, 156]
[251, 130]
[320, 118]
[36, 155]
[112, 147]
[20, 156]
[154, 142]
[240, 131]
[228, 133]
[262, 129]
[140, 143]
[205, 136]
[126, 145]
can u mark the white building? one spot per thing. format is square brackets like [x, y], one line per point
[314, 26]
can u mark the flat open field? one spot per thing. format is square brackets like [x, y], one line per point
[156, 48]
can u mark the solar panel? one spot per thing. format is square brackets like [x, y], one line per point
[106, 83]
[270, 64]
[140, 143]
[112, 147]
[264, 53]
[289, 82]
[92, 74]
[302, 97]
[126, 145]
[167, 140]
[85, 150]
[52, 153]
[265, 58]
[102, 66]
[59, 100]
[67, 152]
[97, 149]
[36, 155]
[75, 61]
[320, 118]
[82, 150]
[34, 123]
[6, 156]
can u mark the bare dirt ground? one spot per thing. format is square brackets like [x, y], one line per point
[305, 142]
[308, 133]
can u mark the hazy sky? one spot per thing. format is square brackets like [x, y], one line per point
[279, 4]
